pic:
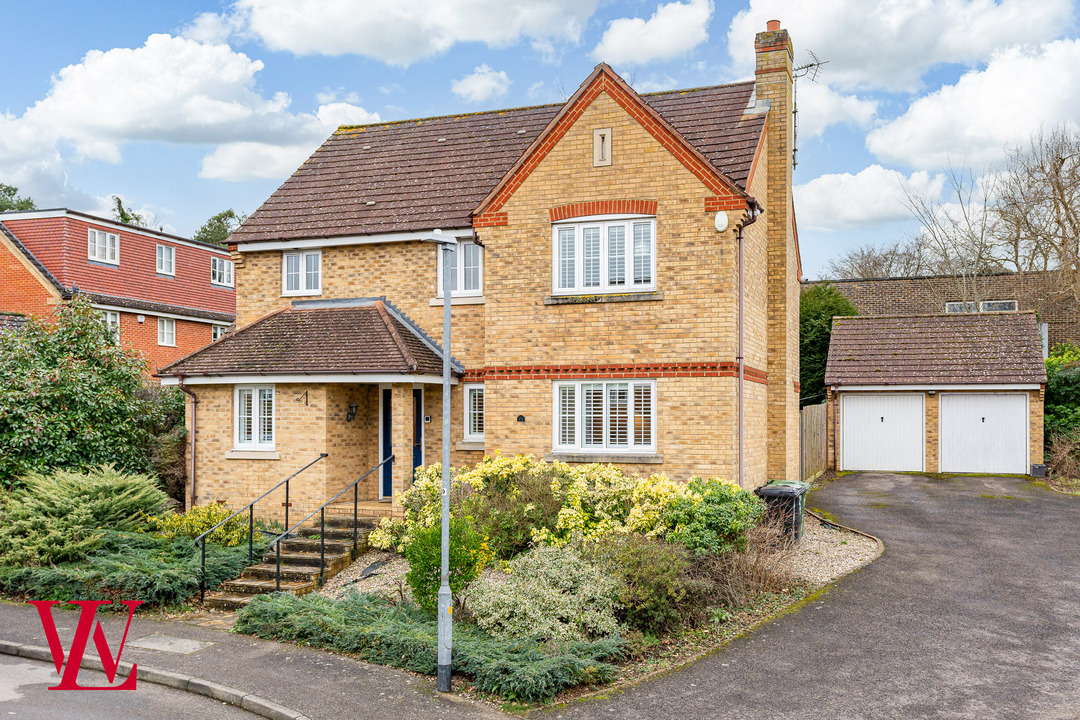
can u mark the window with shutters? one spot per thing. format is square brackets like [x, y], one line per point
[254, 417]
[474, 412]
[604, 256]
[605, 416]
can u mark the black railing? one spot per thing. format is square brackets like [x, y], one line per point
[250, 508]
[276, 542]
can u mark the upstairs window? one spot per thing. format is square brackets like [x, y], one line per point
[302, 273]
[605, 416]
[103, 247]
[605, 256]
[217, 331]
[166, 260]
[474, 412]
[466, 270]
[998, 306]
[221, 271]
[960, 307]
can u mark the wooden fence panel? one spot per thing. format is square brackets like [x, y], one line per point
[812, 432]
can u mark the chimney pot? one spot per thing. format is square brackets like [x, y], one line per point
[772, 25]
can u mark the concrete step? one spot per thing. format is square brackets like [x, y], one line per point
[315, 545]
[337, 534]
[226, 601]
[335, 562]
[268, 570]
[346, 521]
[254, 586]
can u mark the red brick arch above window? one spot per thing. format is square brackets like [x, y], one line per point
[603, 207]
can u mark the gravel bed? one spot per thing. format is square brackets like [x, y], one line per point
[827, 552]
[824, 554]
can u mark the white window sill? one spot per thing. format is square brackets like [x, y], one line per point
[606, 297]
[306, 293]
[252, 455]
[471, 445]
[458, 300]
[166, 345]
[643, 458]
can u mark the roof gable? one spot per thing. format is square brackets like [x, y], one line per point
[604, 80]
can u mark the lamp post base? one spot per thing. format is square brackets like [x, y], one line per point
[446, 608]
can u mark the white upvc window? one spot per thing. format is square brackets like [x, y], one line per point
[607, 416]
[221, 272]
[998, 306]
[103, 247]
[301, 273]
[254, 417]
[474, 412]
[961, 307]
[466, 270]
[217, 331]
[112, 321]
[166, 260]
[166, 332]
[604, 256]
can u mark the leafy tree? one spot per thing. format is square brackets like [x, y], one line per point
[9, 200]
[71, 398]
[817, 308]
[217, 229]
[127, 215]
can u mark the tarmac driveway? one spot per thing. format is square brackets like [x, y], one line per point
[973, 611]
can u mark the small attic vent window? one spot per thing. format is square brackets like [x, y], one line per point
[521, 132]
[601, 147]
[370, 202]
[441, 140]
[367, 147]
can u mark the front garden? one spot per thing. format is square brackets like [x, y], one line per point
[563, 577]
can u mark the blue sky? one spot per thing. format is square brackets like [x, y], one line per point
[187, 108]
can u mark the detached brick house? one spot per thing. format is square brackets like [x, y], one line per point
[602, 310]
[164, 295]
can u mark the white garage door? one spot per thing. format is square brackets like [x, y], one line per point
[882, 432]
[984, 433]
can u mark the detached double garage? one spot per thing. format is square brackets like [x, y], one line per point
[949, 393]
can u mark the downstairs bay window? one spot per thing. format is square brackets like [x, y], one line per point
[617, 416]
[254, 414]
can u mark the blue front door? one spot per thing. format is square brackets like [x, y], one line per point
[386, 486]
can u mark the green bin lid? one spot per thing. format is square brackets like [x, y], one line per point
[783, 488]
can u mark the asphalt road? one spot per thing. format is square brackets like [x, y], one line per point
[24, 695]
[973, 611]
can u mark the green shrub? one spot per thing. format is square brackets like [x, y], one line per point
[131, 566]
[198, 520]
[61, 517]
[713, 517]
[469, 555]
[405, 636]
[548, 593]
[658, 594]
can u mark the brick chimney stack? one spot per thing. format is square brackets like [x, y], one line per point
[774, 84]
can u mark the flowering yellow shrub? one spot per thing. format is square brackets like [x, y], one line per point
[198, 520]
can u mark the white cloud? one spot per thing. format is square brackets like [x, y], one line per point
[328, 96]
[873, 196]
[404, 31]
[986, 110]
[673, 30]
[211, 28]
[481, 84]
[253, 161]
[890, 44]
[820, 106]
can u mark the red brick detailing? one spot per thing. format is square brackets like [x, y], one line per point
[473, 376]
[490, 219]
[731, 202]
[633, 370]
[603, 82]
[795, 384]
[605, 207]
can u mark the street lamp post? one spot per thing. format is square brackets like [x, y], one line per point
[446, 244]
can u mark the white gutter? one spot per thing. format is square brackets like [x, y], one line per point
[937, 388]
[190, 380]
[346, 240]
[153, 313]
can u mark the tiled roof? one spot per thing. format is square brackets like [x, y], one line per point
[12, 321]
[155, 307]
[361, 337]
[935, 349]
[432, 173]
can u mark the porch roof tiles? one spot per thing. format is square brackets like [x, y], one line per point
[365, 337]
[962, 348]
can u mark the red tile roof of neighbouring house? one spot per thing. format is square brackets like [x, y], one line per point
[961, 348]
[12, 321]
[363, 336]
[55, 242]
[432, 173]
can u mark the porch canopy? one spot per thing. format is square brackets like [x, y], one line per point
[339, 341]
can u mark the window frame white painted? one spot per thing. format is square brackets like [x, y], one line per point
[579, 446]
[160, 254]
[468, 389]
[459, 271]
[604, 286]
[228, 267]
[984, 303]
[255, 443]
[304, 289]
[217, 331]
[165, 328]
[969, 307]
[111, 247]
[109, 316]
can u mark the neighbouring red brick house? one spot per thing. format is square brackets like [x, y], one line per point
[167, 296]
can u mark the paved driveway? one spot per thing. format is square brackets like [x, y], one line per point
[973, 611]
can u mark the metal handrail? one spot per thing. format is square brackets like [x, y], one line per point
[250, 507]
[276, 542]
